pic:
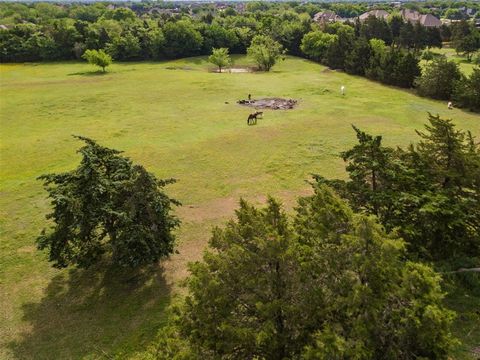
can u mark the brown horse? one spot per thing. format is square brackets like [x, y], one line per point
[252, 118]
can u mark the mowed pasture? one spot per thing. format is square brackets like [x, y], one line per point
[179, 120]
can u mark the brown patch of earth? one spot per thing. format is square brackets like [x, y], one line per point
[198, 221]
[27, 249]
[237, 70]
[270, 103]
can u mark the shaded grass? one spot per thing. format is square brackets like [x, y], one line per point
[85, 312]
[465, 301]
[178, 123]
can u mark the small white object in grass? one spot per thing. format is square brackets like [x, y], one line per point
[342, 89]
[450, 105]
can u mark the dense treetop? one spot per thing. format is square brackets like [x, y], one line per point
[107, 205]
[327, 284]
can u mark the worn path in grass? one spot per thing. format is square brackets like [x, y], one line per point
[178, 123]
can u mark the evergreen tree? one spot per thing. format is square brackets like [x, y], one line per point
[429, 192]
[438, 79]
[467, 91]
[332, 285]
[107, 205]
[339, 49]
[358, 58]
[406, 70]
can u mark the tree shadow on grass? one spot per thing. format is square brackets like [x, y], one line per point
[95, 313]
[89, 73]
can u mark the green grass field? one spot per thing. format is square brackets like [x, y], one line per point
[179, 120]
[465, 66]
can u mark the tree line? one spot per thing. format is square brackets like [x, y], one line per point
[386, 51]
[390, 52]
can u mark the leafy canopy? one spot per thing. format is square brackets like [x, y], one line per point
[264, 51]
[220, 58]
[107, 205]
[328, 285]
[98, 58]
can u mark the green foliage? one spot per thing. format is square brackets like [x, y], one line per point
[467, 91]
[429, 192]
[125, 47]
[216, 36]
[220, 58]
[357, 61]
[465, 38]
[392, 66]
[315, 44]
[107, 205]
[181, 39]
[98, 58]
[330, 285]
[265, 52]
[438, 79]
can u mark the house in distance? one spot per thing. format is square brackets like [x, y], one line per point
[325, 17]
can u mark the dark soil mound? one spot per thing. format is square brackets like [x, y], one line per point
[270, 103]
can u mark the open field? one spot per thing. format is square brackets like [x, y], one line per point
[182, 121]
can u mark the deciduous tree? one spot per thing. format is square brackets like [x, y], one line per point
[265, 52]
[220, 58]
[98, 58]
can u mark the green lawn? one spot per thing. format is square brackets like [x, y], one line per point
[182, 121]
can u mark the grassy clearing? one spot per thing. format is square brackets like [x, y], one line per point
[465, 66]
[180, 120]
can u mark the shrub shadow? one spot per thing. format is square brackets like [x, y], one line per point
[96, 313]
[89, 73]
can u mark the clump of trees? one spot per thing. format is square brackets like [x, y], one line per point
[390, 52]
[98, 58]
[443, 80]
[362, 56]
[107, 205]
[429, 192]
[326, 284]
[220, 58]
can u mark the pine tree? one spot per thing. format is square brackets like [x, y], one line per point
[331, 285]
[107, 205]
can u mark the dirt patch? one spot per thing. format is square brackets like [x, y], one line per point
[215, 209]
[198, 220]
[270, 103]
[236, 70]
